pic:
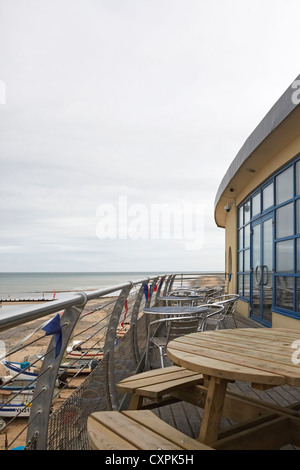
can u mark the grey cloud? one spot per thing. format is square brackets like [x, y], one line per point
[149, 100]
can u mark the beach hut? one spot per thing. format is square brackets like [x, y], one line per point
[258, 205]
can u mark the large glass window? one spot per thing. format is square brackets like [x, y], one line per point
[246, 212]
[277, 201]
[241, 239]
[241, 216]
[298, 255]
[241, 261]
[285, 221]
[298, 216]
[246, 285]
[247, 260]
[285, 292]
[244, 249]
[298, 294]
[285, 256]
[256, 205]
[247, 236]
[241, 285]
[284, 186]
[297, 170]
[267, 195]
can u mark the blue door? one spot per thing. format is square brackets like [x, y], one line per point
[262, 268]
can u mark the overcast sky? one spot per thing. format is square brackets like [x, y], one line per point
[139, 101]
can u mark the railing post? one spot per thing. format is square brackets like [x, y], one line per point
[159, 289]
[42, 399]
[167, 280]
[110, 345]
[172, 279]
[169, 283]
[134, 319]
[153, 284]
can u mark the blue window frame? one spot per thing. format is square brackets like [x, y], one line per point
[244, 249]
[278, 197]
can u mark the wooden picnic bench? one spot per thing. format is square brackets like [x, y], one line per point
[157, 385]
[261, 357]
[162, 386]
[136, 430]
[141, 429]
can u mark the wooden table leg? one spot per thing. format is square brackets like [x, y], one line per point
[213, 410]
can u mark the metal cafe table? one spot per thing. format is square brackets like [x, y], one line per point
[181, 300]
[176, 310]
[263, 357]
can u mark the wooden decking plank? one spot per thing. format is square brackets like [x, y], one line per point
[293, 391]
[193, 415]
[176, 417]
[244, 388]
[277, 397]
[183, 419]
[280, 396]
[190, 417]
[165, 414]
[285, 393]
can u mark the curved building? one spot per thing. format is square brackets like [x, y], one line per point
[258, 204]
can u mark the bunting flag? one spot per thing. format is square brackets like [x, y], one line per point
[53, 328]
[145, 286]
[23, 340]
[126, 311]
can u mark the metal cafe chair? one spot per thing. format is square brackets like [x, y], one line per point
[218, 320]
[162, 331]
[214, 292]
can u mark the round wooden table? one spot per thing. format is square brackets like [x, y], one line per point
[265, 357]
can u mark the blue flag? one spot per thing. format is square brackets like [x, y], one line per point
[145, 286]
[54, 328]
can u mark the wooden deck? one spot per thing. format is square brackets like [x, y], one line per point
[187, 418]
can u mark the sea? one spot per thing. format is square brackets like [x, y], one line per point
[24, 286]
